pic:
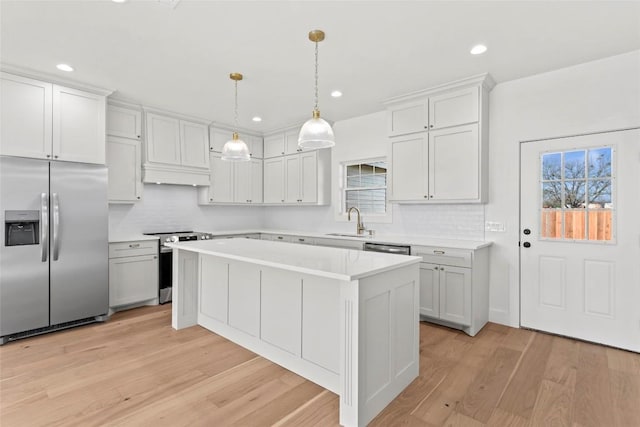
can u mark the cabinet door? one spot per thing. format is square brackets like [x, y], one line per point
[308, 177]
[407, 118]
[429, 290]
[124, 163]
[274, 146]
[78, 126]
[256, 181]
[292, 179]
[124, 122]
[244, 297]
[220, 180]
[274, 180]
[217, 138]
[455, 294]
[242, 182]
[133, 279]
[454, 108]
[454, 164]
[291, 142]
[255, 146]
[25, 117]
[194, 145]
[214, 288]
[162, 139]
[409, 162]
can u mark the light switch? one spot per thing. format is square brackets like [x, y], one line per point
[495, 226]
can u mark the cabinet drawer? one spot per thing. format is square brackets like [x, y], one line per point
[443, 256]
[133, 248]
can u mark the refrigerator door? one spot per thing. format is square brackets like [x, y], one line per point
[79, 242]
[24, 268]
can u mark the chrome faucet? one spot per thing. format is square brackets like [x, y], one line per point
[359, 226]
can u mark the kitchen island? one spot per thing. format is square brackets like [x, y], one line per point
[347, 320]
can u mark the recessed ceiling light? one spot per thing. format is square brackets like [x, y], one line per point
[257, 119]
[478, 49]
[119, 1]
[336, 94]
[64, 67]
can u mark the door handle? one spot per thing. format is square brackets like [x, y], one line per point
[56, 226]
[526, 244]
[44, 226]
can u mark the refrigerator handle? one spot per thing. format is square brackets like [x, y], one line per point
[44, 226]
[56, 226]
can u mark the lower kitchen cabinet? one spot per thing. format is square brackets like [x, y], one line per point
[133, 274]
[454, 287]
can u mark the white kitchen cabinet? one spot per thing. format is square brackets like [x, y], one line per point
[176, 150]
[273, 180]
[46, 121]
[454, 286]
[302, 178]
[281, 309]
[124, 161]
[409, 166]
[247, 181]
[291, 142]
[454, 108]
[255, 145]
[133, 273]
[194, 145]
[454, 164]
[124, 122]
[232, 182]
[163, 139]
[274, 145]
[276, 237]
[439, 143]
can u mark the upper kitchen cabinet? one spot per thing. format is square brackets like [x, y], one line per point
[282, 143]
[124, 122]
[124, 160]
[439, 143]
[176, 150]
[47, 121]
[219, 136]
[232, 182]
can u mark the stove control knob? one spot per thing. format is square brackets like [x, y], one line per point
[174, 239]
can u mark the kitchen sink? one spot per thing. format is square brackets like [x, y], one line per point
[349, 235]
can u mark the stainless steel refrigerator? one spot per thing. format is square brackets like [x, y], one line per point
[54, 263]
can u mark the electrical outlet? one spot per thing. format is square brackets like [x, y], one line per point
[494, 226]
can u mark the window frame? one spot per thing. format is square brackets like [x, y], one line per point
[341, 215]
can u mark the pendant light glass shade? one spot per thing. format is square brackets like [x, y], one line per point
[316, 132]
[235, 150]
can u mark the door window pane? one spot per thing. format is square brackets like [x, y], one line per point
[577, 195]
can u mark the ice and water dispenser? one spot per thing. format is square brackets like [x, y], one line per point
[21, 228]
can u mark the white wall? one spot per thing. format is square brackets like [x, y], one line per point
[362, 138]
[175, 207]
[596, 96]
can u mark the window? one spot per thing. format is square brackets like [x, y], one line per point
[365, 186]
[577, 188]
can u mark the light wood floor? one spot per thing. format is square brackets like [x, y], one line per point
[135, 370]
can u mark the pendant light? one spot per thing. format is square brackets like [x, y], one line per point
[235, 149]
[316, 132]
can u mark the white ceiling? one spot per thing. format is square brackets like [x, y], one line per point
[180, 58]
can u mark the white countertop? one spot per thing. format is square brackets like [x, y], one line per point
[334, 263]
[394, 239]
[129, 237]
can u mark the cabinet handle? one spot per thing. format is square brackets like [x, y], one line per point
[55, 157]
[430, 126]
[426, 127]
[436, 268]
[425, 196]
[155, 257]
[211, 200]
[300, 240]
[48, 155]
[283, 152]
[441, 268]
[138, 197]
[280, 237]
[283, 201]
[438, 252]
[138, 136]
[134, 245]
[431, 196]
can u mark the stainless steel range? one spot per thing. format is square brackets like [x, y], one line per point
[166, 257]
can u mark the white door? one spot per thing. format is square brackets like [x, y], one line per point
[429, 289]
[580, 234]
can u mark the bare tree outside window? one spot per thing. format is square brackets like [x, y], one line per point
[577, 194]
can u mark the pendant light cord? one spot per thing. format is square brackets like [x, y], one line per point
[316, 77]
[235, 116]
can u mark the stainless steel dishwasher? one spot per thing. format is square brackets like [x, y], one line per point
[387, 249]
